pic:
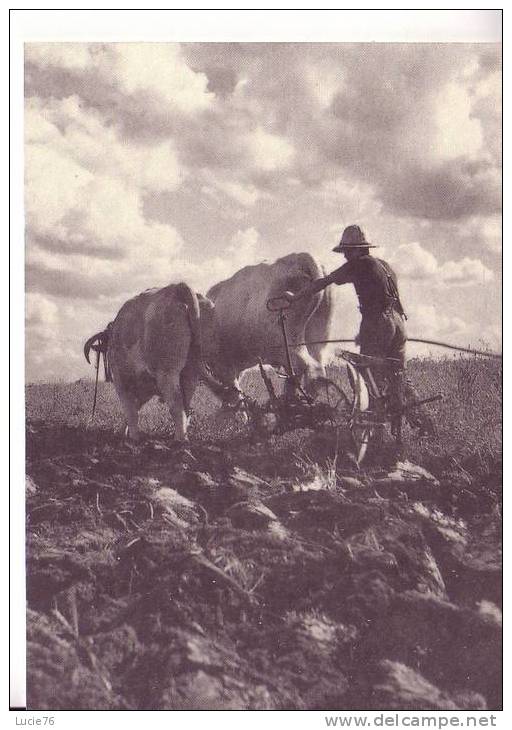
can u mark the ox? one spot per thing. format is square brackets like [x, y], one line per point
[156, 346]
[248, 331]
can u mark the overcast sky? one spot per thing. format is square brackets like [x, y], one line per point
[150, 163]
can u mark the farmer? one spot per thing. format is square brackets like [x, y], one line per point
[382, 331]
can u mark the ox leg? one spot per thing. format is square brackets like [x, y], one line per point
[316, 353]
[188, 382]
[130, 406]
[306, 367]
[170, 388]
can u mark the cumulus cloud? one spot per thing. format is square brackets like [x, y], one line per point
[459, 132]
[416, 263]
[269, 151]
[73, 56]
[242, 249]
[157, 69]
[84, 188]
[432, 323]
[244, 246]
[54, 344]
[406, 119]
[160, 69]
[245, 194]
[464, 272]
[483, 232]
[40, 310]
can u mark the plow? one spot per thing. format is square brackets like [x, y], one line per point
[362, 407]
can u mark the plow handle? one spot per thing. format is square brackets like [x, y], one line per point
[268, 383]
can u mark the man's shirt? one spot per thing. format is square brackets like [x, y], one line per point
[374, 280]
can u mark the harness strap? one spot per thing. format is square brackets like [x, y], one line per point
[392, 289]
[98, 355]
[101, 349]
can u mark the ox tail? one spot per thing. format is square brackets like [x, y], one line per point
[99, 343]
[188, 297]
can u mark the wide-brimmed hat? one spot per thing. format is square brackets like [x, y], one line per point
[353, 237]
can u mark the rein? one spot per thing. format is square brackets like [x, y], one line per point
[100, 347]
[447, 345]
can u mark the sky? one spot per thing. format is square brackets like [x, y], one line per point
[148, 163]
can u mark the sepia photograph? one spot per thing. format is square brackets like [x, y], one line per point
[263, 375]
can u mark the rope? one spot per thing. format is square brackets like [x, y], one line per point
[96, 384]
[469, 350]
[100, 348]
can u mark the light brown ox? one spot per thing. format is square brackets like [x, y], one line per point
[156, 346]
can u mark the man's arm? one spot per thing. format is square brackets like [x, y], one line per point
[313, 287]
[336, 277]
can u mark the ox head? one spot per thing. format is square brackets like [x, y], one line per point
[231, 397]
[233, 405]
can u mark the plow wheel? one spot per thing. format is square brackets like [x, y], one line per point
[331, 405]
[361, 436]
[345, 408]
[361, 432]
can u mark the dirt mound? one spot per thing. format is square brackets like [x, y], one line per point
[232, 577]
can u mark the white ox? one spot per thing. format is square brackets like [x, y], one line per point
[156, 346]
[248, 331]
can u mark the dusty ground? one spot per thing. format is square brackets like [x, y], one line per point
[231, 576]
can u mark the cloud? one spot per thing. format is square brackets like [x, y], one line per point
[244, 246]
[459, 133]
[151, 163]
[425, 156]
[453, 190]
[160, 69]
[243, 249]
[416, 263]
[39, 310]
[84, 202]
[269, 151]
[73, 56]
[155, 69]
[245, 194]
[432, 323]
[83, 136]
[464, 272]
[56, 332]
[484, 232]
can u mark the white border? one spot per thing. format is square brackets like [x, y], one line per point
[263, 25]
[384, 25]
